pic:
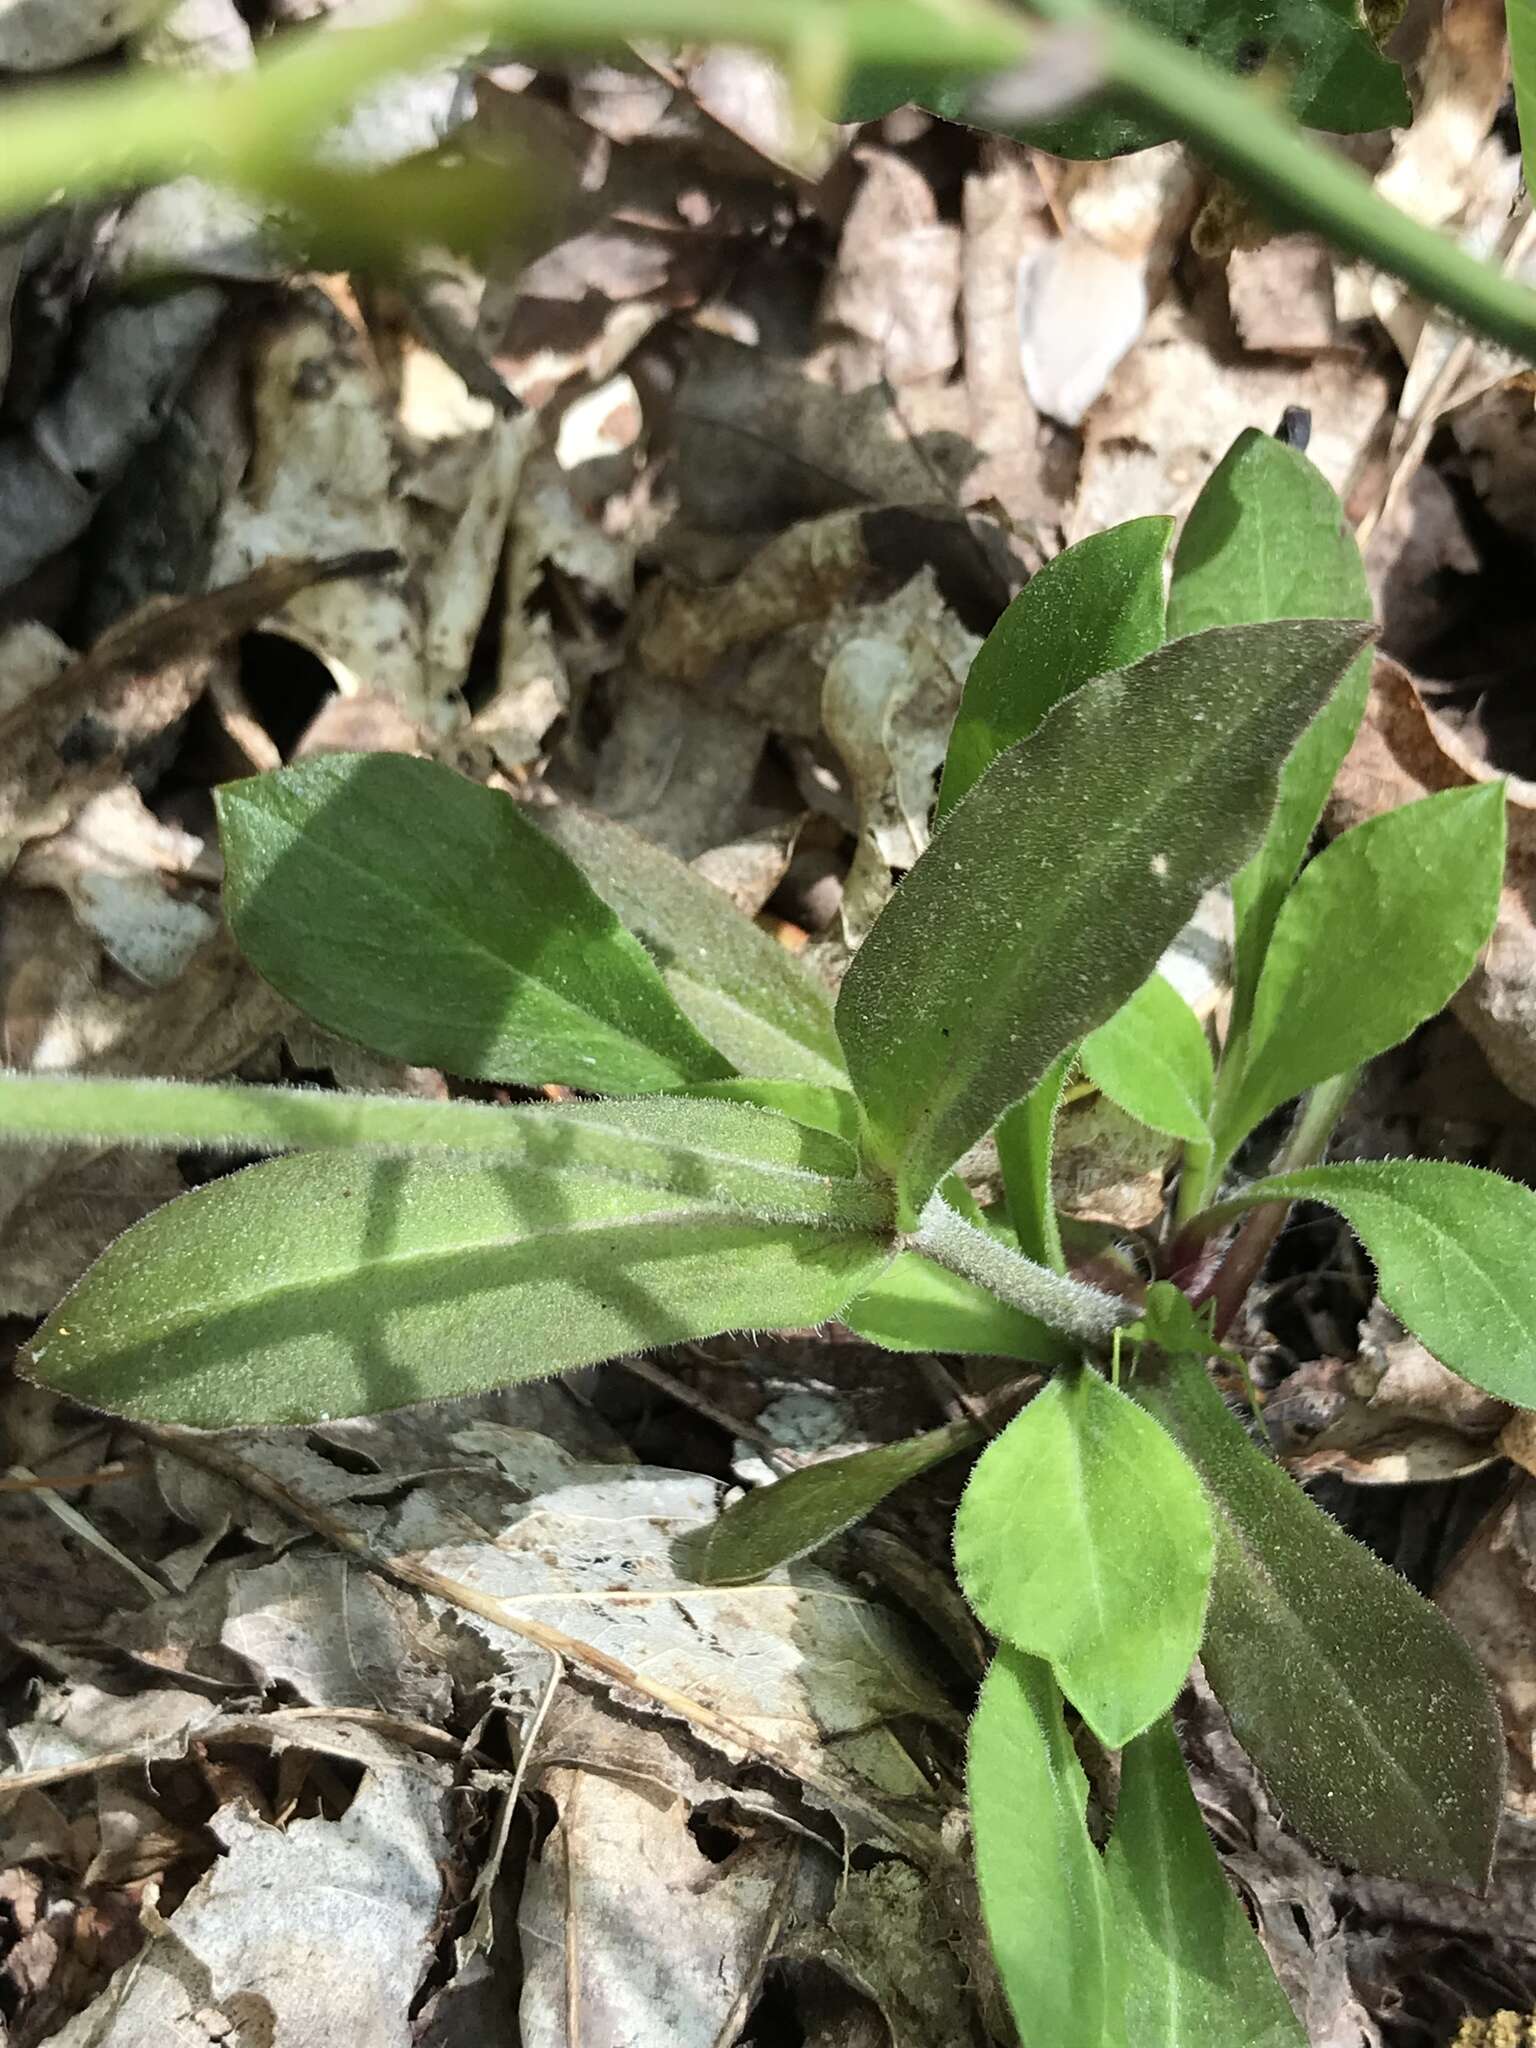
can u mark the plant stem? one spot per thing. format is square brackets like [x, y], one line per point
[1196, 1173]
[255, 129]
[1244, 1260]
[59, 1109]
[1062, 1303]
[1304, 183]
[251, 128]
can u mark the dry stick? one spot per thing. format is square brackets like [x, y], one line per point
[923, 1843]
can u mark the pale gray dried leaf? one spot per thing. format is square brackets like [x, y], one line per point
[1000, 225]
[128, 358]
[677, 768]
[1174, 407]
[1081, 309]
[196, 35]
[889, 696]
[890, 301]
[114, 864]
[333, 1635]
[821, 1672]
[630, 1932]
[74, 1722]
[270, 1942]
[47, 35]
[1282, 296]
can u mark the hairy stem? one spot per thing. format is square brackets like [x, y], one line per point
[1086, 1313]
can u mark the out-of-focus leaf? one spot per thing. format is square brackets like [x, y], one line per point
[1335, 76]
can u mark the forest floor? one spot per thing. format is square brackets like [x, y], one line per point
[715, 424]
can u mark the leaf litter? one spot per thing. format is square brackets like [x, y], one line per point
[687, 505]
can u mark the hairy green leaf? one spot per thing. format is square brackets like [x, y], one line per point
[1378, 934]
[824, 1109]
[1195, 1972]
[1153, 1058]
[915, 1305]
[1368, 1715]
[1026, 1143]
[773, 1525]
[1334, 74]
[1053, 887]
[1267, 539]
[423, 915]
[1452, 1247]
[1094, 607]
[327, 1284]
[1043, 1890]
[749, 997]
[1084, 1538]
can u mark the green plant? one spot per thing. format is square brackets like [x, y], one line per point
[1117, 77]
[754, 1156]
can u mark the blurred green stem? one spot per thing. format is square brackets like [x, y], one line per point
[253, 129]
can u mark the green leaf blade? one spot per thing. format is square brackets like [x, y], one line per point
[422, 915]
[1154, 1060]
[1195, 1971]
[1378, 934]
[774, 1525]
[915, 1305]
[322, 1285]
[1094, 607]
[1368, 1715]
[1084, 1538]
[976, 976]
[1267, 539]
[1044, 1893]
[748, 996]
[1452, 1246]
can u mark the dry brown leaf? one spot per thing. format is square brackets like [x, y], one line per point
[894, 288]
[1489, 1596]
[1282, 296]
[82, 730]
[1001, 223]
[1178, 402]
[270, 1942]
[760, 445]
[116, 865]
